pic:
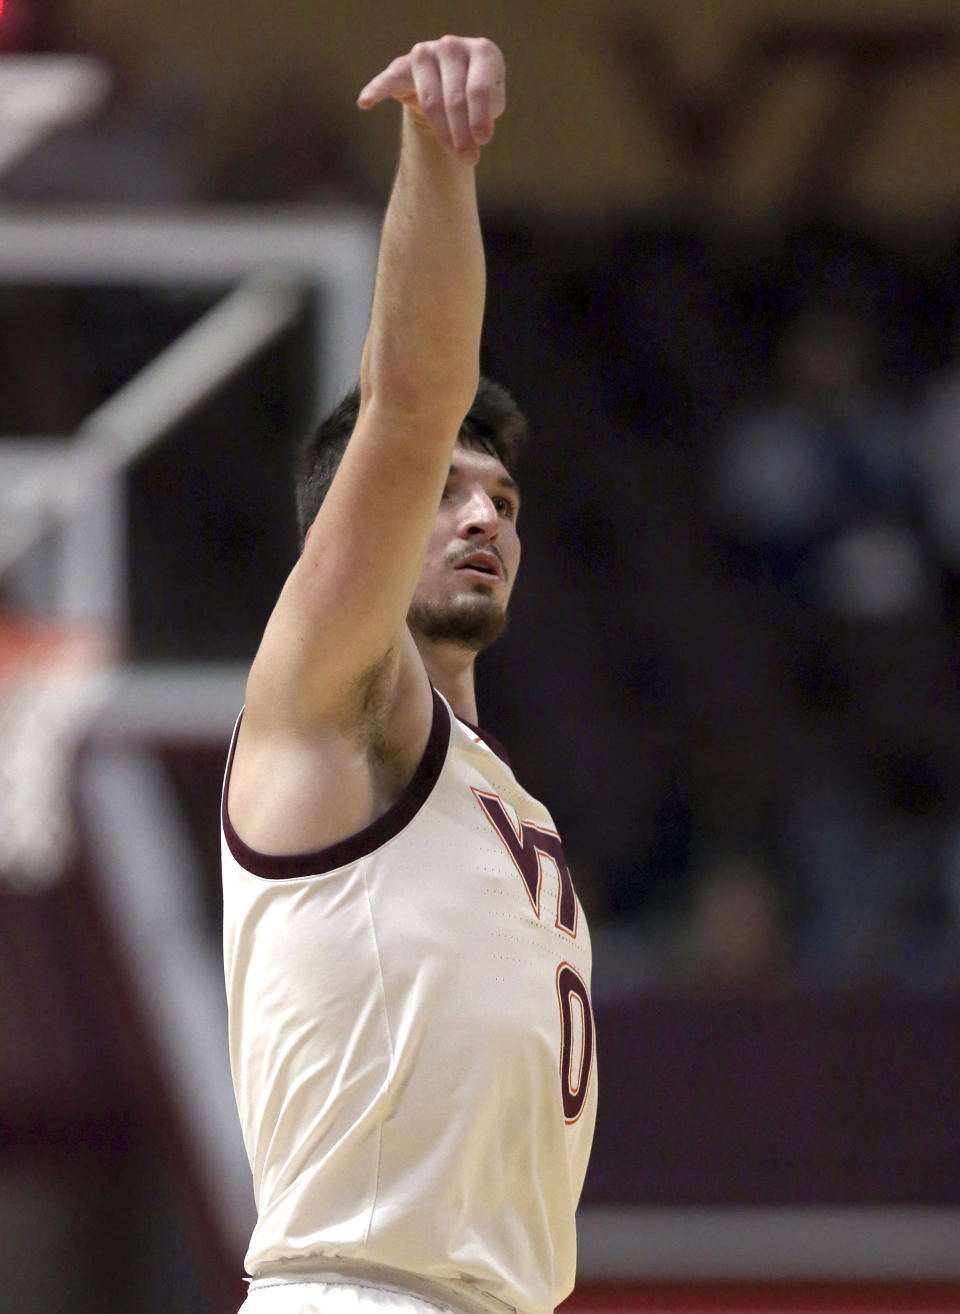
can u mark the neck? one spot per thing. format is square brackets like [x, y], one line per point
[451, 673]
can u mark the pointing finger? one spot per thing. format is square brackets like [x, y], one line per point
[395, 81]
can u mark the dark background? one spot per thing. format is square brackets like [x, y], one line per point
[736, 691]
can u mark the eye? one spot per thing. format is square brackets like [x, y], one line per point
[505, 507]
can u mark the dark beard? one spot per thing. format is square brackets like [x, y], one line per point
[472, 623]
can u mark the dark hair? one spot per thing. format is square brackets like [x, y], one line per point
[493, 424]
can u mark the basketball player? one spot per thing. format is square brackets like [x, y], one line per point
[407, 963]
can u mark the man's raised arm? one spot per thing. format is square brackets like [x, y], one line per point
[422, 350]
[345, 603]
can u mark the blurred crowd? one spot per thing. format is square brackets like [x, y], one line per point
[756, 529]
[732, 670]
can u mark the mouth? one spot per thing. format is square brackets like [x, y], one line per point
[483, 564]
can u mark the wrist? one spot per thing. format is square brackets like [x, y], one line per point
[420, 133]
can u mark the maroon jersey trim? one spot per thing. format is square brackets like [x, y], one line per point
[491, 741]
[286, 866]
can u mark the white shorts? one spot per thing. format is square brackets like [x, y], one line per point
[272, 1296]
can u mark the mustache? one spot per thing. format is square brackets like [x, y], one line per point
[487, 547]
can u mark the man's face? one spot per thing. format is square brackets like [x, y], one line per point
[472, 556]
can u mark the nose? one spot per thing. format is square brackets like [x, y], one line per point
[479, 517]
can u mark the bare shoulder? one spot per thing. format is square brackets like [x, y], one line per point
[297, 788]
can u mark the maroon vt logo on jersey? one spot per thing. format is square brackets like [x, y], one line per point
[527, 845]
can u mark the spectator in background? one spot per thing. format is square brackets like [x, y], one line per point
[733, 935]
[814, 489]
[871, 842]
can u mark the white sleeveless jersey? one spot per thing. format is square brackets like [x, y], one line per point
[412, 1041]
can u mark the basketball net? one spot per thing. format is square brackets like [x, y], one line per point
[54, 678]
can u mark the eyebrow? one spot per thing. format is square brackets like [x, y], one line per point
[509, 484]
[504, 481]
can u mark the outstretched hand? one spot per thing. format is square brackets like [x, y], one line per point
[455, 86]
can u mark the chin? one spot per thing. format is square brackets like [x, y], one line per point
[472, 621]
